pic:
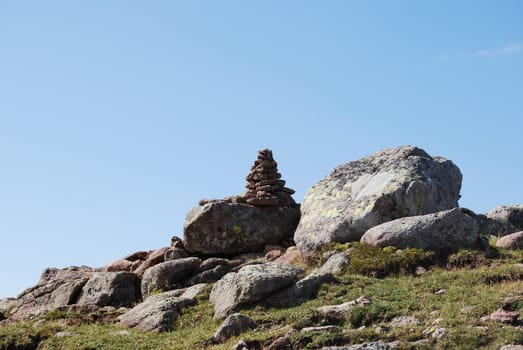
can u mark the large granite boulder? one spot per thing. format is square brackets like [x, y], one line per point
[447, 231]
[221, 227]
[250, 284]
[508, 214]
[390, 184]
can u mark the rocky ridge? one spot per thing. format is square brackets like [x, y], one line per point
[400, 198]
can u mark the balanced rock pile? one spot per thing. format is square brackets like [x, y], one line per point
[264, 185]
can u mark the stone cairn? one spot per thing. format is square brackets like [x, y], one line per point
[264, 186]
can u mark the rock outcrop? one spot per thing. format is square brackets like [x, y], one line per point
[447, 231]
[250, 284]
[387, 185]
[229, 228]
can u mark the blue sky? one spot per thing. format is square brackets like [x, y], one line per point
[116, 117]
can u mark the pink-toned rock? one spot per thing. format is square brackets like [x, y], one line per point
[176, 242]
[504, 316]
[154, 257]
[292, 256]
[272, 255]
[119, 265]
[511, 241]
[136, 264]
[142, 255]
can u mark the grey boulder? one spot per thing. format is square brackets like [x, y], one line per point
[166, 275]
[158, 312]
[220, 227]
[250, 284]
[447, 231]
[111, 289]
[233, 325]
[390, 184]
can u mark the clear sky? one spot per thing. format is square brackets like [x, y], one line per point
[116, 117]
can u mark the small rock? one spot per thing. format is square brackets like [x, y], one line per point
[241, 345]
[436, 332]
[63, 334]
[511, 347]
[174, 254]
[291, 256]
[500, 315]
[119, 265]
[441, 291]
[272, 255]
[231, 326]
[420, 271]
[342, 308]
[511, 241]
[329, 328]
[382, 329]
[364, 346]
[154, 258]
[176, 242]
[336, 263]
[402, 321]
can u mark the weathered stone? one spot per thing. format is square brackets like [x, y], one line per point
[110, 288]
[153, 258]
[511, 241]
[364, 346]
[250, 284]
[449, 230]
[390, 184]
[291, 256]
[211, 263]
[272, 255]
[345, 307]
[301, 291]
[175, 253]
[141, 255]
[403, 321]
[226, 228]
[503, 316]
[512, 214]
[336, 263]
[119, 265]
[176, 242]
[209, 276]
[233, 325]
[168, 275]
[158, 312]
[56, 288]
[328, 328]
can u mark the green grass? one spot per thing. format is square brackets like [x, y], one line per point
[475, 285]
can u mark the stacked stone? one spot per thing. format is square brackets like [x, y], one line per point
[264, 185]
